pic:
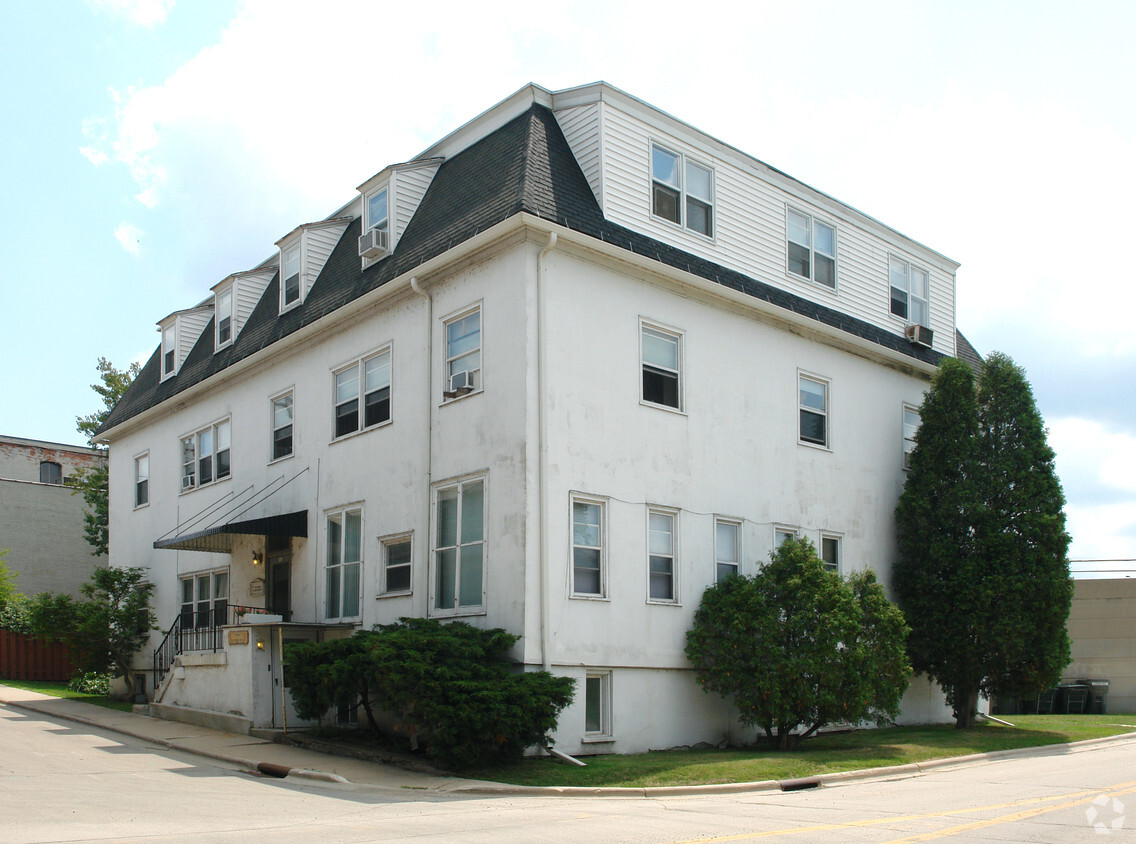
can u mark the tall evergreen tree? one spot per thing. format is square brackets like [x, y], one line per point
[94, 484]
[1022, 536]
[983, 574]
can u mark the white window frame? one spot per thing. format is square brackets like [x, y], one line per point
[811, 223]
[685, 196]
[600, 548]
[274, 424]
[221, 313]
[719, 560]
[673, 555]
[909, 433]
[340, 565]
[837, 540]
[782, 533]
[903, 271]
[385, 223]
[142, 476]
[385, 545]
[360, 367]
[296, 249]
[169, 351]
[191, 468]
[461, 543]
[450, 357]
[824, 413]
[664, 332]
[212, 578]
[606, 732]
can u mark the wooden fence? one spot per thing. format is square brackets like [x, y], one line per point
[25, 658]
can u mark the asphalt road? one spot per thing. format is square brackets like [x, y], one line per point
[61, 781]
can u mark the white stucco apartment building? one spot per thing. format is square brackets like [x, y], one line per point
[556, 374]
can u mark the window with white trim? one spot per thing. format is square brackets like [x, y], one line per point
[290, 277]
[283, 410]
[597, 705]
[661, 360]
[782, 534]
[830, 552]
[344, 564]
[813, 397]
[224, 318]
[911, 422]
[142, 480]
[204, 600]
[459, 547]
[811, 248]
[378, 212]
[909, 291]
[205, 456]
[588, 547]
[682, 191]
[463, 354]
[661, 556]
[396, 565]
[370, 376]
[169, 350]
[727, 549]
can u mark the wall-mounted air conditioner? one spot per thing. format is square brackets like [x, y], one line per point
[920, 335]
[373, 243]
[460, 384]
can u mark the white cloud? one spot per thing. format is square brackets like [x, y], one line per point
[1097, 468]
[147, 13]
[129, 237]
[95, 156]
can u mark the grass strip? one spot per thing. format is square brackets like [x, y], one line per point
[824, 754]
[61, 690]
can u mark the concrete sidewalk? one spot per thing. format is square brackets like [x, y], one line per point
[244, 751]
[253, 754]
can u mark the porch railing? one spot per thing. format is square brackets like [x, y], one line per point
[201, 631]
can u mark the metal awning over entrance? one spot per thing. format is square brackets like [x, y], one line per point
[220, 538]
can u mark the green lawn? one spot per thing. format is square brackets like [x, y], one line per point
[825, 754]
[61, 690]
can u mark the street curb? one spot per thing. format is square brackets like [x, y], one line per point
[912, 769]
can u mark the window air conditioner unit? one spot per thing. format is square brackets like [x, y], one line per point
[920, 335]
[373, 243]
[186, 482]
[460, 384]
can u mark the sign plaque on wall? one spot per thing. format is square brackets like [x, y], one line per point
[238, 637]
[256, 588]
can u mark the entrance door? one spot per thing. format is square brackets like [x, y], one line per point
[279, 594]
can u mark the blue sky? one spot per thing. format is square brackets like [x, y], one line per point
[152, 148]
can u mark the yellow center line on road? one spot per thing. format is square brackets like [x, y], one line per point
[1075, 798]
[1017, 816]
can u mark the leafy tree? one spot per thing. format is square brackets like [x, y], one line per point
[13, 605]
[7, 579]
[93, 484]
[451, 684]
[983, 575]
[104, 630]
[797, 647]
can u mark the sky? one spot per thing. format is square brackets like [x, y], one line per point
[153, 147]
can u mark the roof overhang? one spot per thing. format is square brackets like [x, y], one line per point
[220, 538]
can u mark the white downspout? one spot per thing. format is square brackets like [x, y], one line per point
[429, 424]
[542, 465]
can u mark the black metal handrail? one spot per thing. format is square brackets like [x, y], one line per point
[201, 631]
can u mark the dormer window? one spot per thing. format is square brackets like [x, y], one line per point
[290, 273]
[682, 191]
[224, 315]
[169, 350]
[377, 212]
[375, 241]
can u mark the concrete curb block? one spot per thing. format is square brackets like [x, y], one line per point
[323, 776]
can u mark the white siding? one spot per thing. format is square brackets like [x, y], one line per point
[410, 186]
[582, 127]
[318, 243]
[247, 290]
[750, 229]
[190, 326]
